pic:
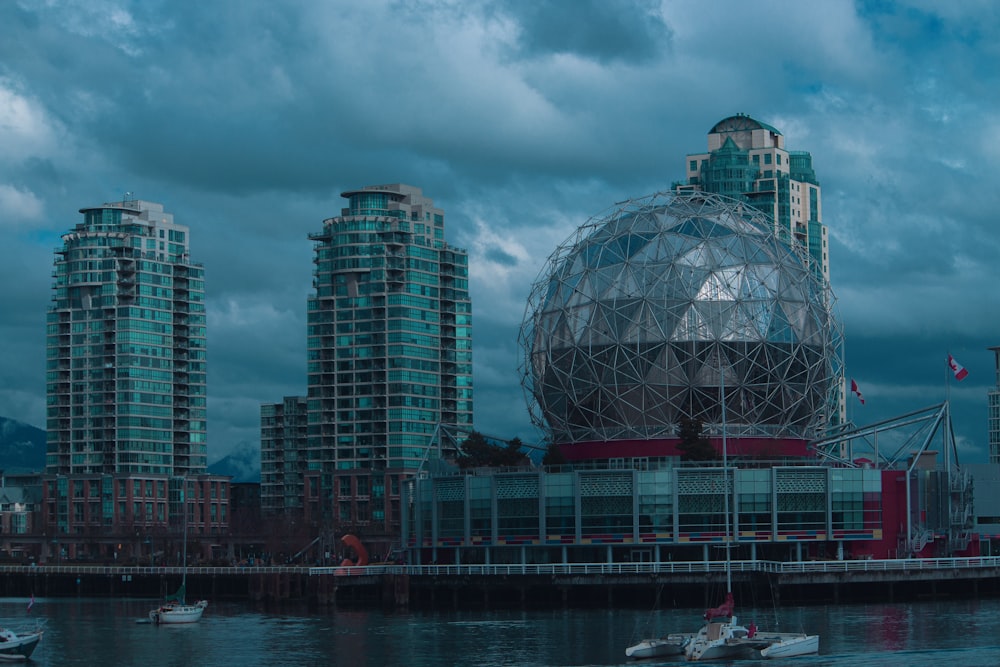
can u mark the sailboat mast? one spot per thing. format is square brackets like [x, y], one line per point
[725, 466]
[184, 549]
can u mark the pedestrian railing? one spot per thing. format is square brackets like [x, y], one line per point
[562, 569]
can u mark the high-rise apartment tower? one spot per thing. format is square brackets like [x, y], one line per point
[283, 435]
[993, 406]
[747, 160]
[390, 352]
[125, 368]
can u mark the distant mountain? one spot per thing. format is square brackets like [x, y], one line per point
[22, 447]
[242, 464]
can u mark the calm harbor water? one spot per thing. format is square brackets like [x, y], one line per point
[105, 632]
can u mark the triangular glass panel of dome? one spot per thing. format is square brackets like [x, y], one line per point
[629, 281]
[598, 235]
[720, 285]
[620, 320]
[577, 321]
[659, 248]
[698, 255]
[754, 254]
[702, 228]
[760, 281]
[559, 332]
[751, 319]
[567, 288]
[692, 326]
[582, 293]
[664, 283]
[651, 324]
[629, 244]
[552, 288]
[780, 329]
[800, 316]
[604, 283]
[629, 330]
[613, 254]
[718, 316]
[591, 253]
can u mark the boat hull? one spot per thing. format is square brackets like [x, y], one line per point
[178, 613]
[718, 650]
[18, 647]
[790, 647]
[657, 648]
[718, 640]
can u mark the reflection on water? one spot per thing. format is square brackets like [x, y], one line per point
[99, 631]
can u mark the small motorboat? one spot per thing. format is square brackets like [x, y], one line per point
[18, 645]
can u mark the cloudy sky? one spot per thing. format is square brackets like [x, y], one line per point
[522, 119]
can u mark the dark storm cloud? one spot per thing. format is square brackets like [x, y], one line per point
[522, 120]
[606, 30]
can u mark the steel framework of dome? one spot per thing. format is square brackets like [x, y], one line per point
[645, 316]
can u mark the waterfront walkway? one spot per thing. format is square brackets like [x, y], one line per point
[550, 583]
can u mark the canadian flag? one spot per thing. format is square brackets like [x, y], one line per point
[856, 391]
[957, 369]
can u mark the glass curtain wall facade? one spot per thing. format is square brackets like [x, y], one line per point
[390, 352]
[126, 364]
[670, 513]
[993, 416]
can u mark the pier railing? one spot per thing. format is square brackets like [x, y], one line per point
[674, 567]
[669, 567]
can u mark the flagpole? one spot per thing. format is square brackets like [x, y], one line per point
[947, 379]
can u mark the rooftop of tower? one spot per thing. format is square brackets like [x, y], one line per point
[398, 189]
[740, 122]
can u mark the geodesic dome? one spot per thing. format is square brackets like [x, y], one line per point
[651, 313]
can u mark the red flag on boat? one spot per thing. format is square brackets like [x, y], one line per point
[856, 391]
[957, 369]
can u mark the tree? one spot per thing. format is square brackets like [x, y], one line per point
[693, 446]
[479, 453]
[553, 456]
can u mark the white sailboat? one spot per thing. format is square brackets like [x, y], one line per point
[722, 637]
[176, 609]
